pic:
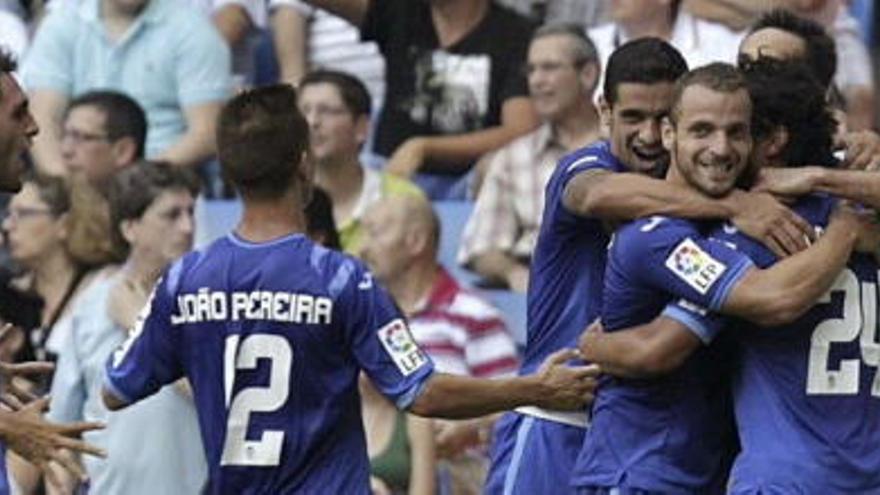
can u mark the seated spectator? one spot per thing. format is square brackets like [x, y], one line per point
[337, 108]
[164, 54]
[58, 232]
[152, 206]
[307, 38]
[454, 86]
[699, 41]
[102, 132]
[400, 446]
[500, 235]
[461, 332]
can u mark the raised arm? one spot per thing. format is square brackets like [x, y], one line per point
[626, 196]
[781, 293]
[48, 109]
[290, 37]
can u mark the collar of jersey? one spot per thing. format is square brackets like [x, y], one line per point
[238, 241]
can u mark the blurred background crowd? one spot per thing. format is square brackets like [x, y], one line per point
[435, 125]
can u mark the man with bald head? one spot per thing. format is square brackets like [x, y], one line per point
[461, 332]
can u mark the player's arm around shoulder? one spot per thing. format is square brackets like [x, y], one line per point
[557, 385]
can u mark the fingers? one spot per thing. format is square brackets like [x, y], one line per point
[585, 371]
[11, 401]
[28, 368]
[38, 405]
[6, 331]
[51, 475]
[80, 446]
[561, 356]
[70, 465]
[80, 427]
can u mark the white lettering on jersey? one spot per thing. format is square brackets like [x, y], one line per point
[399, 344]
[695, 266]
[285, 307]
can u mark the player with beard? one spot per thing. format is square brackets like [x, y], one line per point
[803, 402]
[608, 181]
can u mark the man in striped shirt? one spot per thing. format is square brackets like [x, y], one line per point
[461, 332]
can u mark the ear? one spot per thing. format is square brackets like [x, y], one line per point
[361, 128]
[305, 176]
[124, 151]
[127, 229]
[417, 240]
[590, 77]
[667, 133]
[605, 111]
[777, 141]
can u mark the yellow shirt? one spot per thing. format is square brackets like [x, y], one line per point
[377, 185]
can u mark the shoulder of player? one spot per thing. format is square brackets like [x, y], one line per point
[595, 156]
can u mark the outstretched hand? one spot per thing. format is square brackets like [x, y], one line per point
[568, 387]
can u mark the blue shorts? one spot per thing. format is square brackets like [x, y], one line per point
[532, 455]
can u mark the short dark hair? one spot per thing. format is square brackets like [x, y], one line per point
[786, 94]
[124, 117]
[135, 188]
[821, 57]
[352, 90]
[319, 219]
[642, 61]
[261, 139]
[717, 76]
[584, 48]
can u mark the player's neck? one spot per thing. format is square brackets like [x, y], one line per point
[413, 286]
[265, 220]
[578, 128]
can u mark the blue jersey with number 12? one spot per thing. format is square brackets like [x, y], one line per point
[807, 394]
[272, 337]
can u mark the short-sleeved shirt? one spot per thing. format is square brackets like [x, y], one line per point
[435, 91]
[507, 213]
[171, 456]
[662, 435]
[568, 265]
[807, 394]
[272, 337]
[171, 58]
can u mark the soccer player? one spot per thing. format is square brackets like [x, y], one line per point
[25, 431]
[534, 449]
[804, 406]
[272, 330]
[665, 435]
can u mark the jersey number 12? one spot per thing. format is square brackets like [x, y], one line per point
[266, 451]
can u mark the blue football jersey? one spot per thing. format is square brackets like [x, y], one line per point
[568, 263]
[807, 394]
[272, 337]
[662, 435]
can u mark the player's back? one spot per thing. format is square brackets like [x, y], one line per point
[664, 434]
[807, 394]
[272, 337]
[568, 263]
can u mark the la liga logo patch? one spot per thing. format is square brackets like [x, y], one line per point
[695, 266]
[399, 344]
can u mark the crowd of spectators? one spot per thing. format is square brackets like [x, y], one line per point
[407, 102]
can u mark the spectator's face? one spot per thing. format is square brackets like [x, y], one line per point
[634, 122]
[556, 83]
[86, 148]
[624, 11]
[165, 231]
[335, 133]
[33, 231]
[383, 243]
[773, 43]
[711, 143]
[17, 128]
